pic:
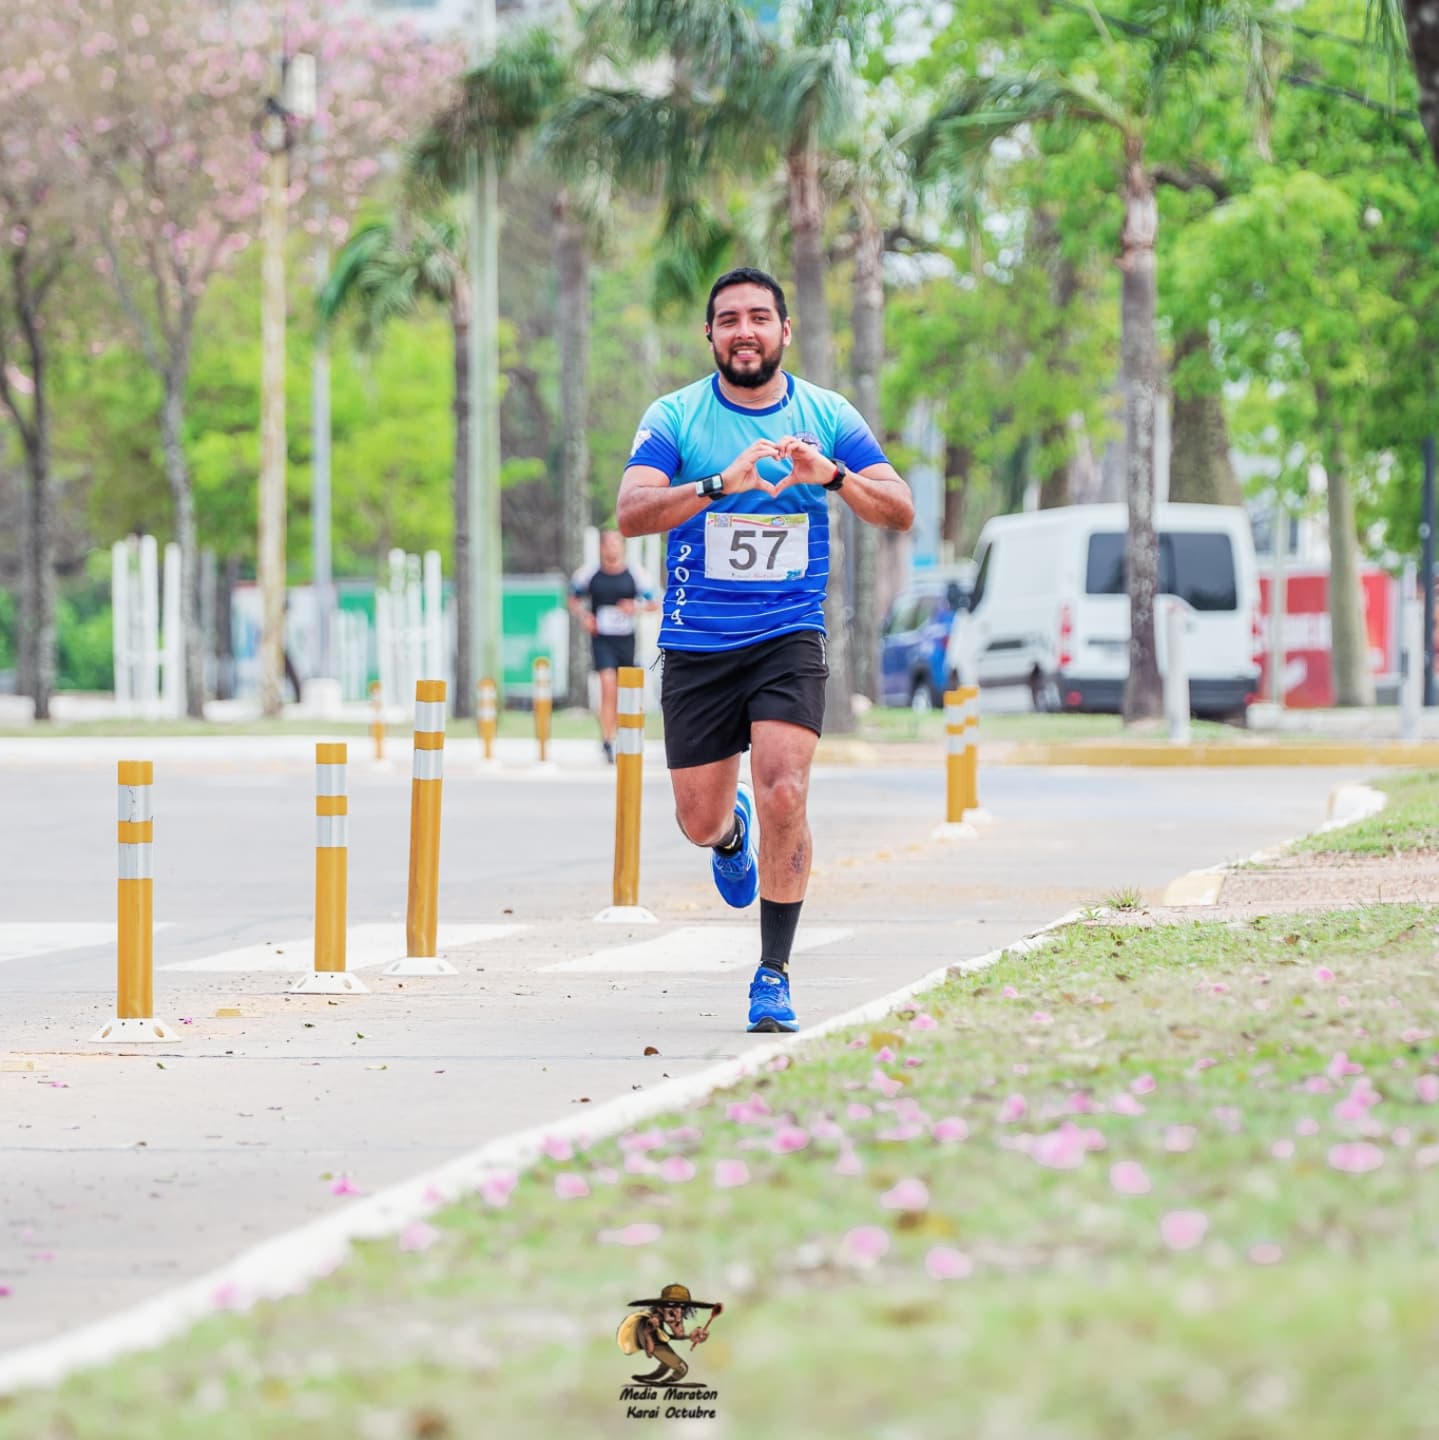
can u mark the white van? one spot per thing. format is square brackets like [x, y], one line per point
[1050, 607]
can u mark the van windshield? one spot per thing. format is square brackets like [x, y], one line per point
[1196, 565]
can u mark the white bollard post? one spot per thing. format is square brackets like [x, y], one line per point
[1411, 664]
[1176, 673]
[434, 616]
[148, 639]
[172, 669]
[120, 625]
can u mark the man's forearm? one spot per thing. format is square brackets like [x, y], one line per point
[883, 502]
[652, 509]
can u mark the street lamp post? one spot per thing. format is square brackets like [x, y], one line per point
[294, 98]
[483, 480]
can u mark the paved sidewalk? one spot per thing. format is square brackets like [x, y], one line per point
[125, 1173]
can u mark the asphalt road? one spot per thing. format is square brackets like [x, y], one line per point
[122, 1173]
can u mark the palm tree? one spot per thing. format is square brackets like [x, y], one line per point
[960, 135]
[388, 270]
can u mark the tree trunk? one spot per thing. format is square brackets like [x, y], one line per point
[1200, 470]
[37, 614]
[1349, 638]
[1063, 287]
[464, 697]
[177, 472]
[1143, 692]
[816, 345]
[957, 463]
[867, 361]
[572, 268]
[1421, 17]
[1054, 486]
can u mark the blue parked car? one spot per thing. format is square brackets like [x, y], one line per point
[916, 633]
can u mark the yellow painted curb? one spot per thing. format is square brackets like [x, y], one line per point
[1337, 752]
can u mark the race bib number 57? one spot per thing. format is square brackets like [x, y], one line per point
[756, 547]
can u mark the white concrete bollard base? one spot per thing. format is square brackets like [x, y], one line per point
[956, 830]
[329, 982]
[625, 915]
[421, 965]
[979, 816]
[134, 1032]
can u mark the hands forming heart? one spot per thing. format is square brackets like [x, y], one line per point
[808, 466]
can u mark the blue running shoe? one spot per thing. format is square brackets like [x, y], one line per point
[737, 875]
[769, 1007]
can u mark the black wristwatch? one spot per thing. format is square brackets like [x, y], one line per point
[709, 487]
[840, 471]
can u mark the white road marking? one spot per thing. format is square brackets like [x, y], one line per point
[365, 946]
[693, 947]
[21, 939]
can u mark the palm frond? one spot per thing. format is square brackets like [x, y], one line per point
[801, 92]
[707, 40]
[693, 247]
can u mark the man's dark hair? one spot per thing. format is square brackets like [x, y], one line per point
[746, 275]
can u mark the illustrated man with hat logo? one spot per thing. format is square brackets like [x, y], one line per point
[661, 1321]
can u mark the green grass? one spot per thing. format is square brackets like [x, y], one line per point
[1077, 1319]
[1409, 822]
[883, 723]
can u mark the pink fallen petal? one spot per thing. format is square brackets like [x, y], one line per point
[343, 1185]
[1219, 988]
[1125, 1104]
[944, 1262]
[789, 1138]
[1092, 1139]
[605, 1175]
[949, 1129]
[495, 1189]
[640, 1141]
[1426, 1088]
[780, 1062]
[1323, 974]
[1128, 1178]
[227, 1296]
[1183, 1229]
[638, 1164]
[1306, 1125]
[924, 1022]
[1400, 1136]
[729, 1173]
[187, 1019]
[1282, 1149]
[907, 1109]
[858, 1043]
[1179, 1138]
[1352, 1107]
[1356, 1157]
[683, 1134]
[4, 1291]
[1205, 1062]
[899, 1134]
[1413, 1035]
[1059, 1149]
[558, 1148]
[640, 1234]
[433, 1197]
[849, 1164]
[1143, 1085]
[886, 1086]
[677, 1169]
[1082, 1103]
[1041, 1017]
[569, 1186]
[884, 1055]
[913, 1062]
[865, 1244]
[1229, 1118]
[418, 1236]
[1318, 1085]
[906, 1195]
[1014, 1108]
[1265, 1253]
[1341, 1065]
[826, 1130]
[748, 1111]
[856, 1111]
[1010, 993]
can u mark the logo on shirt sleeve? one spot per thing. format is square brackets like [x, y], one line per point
[641, 435]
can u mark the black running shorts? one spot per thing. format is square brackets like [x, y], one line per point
[613, 651]
[710, 700]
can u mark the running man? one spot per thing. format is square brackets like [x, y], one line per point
[604, 598]
[738, 467]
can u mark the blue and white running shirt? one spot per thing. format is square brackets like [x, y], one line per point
[752, 566]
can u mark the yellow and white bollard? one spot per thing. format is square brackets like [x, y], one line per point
[135, 1020]
[422, 913]
[956, 765]
[975, 813]
[332, 863]
[629, 787]
[487, 715]
[377, 719]
[543, 702]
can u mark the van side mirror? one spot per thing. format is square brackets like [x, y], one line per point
[956, 597]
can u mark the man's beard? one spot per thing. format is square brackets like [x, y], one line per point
[755, 379]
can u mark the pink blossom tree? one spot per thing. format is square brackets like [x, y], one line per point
[165, 103]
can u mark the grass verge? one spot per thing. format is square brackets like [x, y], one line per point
[1175, 1181]
[1409, 822]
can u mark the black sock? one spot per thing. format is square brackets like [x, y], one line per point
[731, 843]
[778, 920]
